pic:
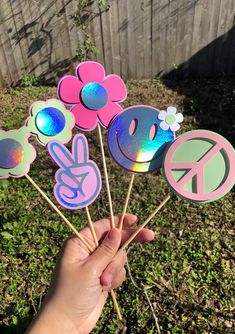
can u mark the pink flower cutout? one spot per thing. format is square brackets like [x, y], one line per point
[94, 96]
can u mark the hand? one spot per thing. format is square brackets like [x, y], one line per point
[81, 281]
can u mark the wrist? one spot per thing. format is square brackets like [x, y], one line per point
[50, 319]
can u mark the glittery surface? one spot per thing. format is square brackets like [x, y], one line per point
[94, 96]
[50, 121]
[137, 148]
[11, 153]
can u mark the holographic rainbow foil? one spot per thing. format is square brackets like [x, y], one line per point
[135, 140]
[16, 153]
[50, 121]
[11, 153]
[94, 96]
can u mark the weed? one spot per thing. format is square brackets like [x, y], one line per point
[83, 15]
[29, 80]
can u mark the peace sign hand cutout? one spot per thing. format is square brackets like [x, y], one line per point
[78, 181]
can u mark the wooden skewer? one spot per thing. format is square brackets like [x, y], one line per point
[116, 305]
[97, 245]
[76, 233]
[127, 201]
[59, 213]
[92, 227]
[106, 176]
[125, 245]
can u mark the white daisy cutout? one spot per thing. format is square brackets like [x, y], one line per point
[170, 119]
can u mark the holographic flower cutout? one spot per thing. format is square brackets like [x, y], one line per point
[170, 119]
[16, 153]
[94, 96]
[50, 120]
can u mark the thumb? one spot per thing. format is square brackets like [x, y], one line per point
[104, 254]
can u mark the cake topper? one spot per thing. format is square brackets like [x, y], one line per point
[78, 181]
[136, 141]
[94, 96]
[200, 166]
[50, 120]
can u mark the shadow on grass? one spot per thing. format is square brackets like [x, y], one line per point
[210, 102]
[20, 326]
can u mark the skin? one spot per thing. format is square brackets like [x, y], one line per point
[81, 281]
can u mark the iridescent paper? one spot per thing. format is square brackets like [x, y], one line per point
[78, 180]
[50, 121]
[11, 153]
[94, 96]
[135, 140]
[16, 153]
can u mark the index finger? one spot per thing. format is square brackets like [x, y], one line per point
[104, 225]
[60, 154]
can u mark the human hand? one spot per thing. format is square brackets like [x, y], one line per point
[81, 281]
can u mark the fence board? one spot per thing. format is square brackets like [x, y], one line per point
[137, 39]
[108, 40]
[123, 38]
[115, 40]
[7, 43]
[129, 24]
[97, 33]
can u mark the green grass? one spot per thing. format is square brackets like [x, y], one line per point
[188, 269]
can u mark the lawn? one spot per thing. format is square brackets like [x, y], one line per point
[187, 272]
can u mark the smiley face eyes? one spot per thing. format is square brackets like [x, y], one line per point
[153, 132]
[133, 127]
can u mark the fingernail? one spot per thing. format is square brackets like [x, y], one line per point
[113, 235]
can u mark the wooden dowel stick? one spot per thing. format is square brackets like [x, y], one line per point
[59, 213]
[97, 245]
[116, 305]
[127, 201]
[76, 232]
[125, 245]
[106, 176]
[92, 227]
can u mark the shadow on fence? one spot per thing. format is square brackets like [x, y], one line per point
[216, 59]
[210, 101]
[40, 37]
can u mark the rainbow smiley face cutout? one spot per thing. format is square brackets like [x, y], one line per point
[136, 140]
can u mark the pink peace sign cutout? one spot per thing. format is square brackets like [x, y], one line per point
[200, 166]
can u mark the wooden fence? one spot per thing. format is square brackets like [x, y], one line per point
[134, 38]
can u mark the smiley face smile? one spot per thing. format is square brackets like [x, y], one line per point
[136, 161]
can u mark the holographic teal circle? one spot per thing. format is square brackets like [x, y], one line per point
[11, 153]
[141, 150]
[50, 121]
[94, 96]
